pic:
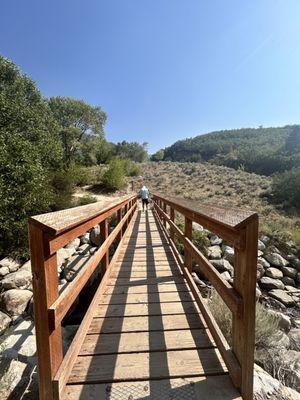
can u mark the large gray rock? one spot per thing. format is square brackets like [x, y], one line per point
[276, 259]
[282, 296]
[294, 336]
[85, 238]
[263, 262]
[267, 387]
[5, 321]
[74, 265]
[214, 252]
[222, 265]
[215, 240]
[274, 273]
[228, 253]
[261, 245]
[284, 321]
[270, 283]
[11, 264]
[288, 281]
[20, 279]
[95, 236]
[225, 275]
[260, 271]
[74, 244]
[3, 271]
[15, 301]
[289, 271]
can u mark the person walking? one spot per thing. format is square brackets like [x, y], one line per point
[144, 193]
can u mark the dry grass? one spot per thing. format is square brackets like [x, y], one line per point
[218, 185]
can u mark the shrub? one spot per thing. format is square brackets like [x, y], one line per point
[62, 183]
[114, 177]
[286, 187]
[87, 199]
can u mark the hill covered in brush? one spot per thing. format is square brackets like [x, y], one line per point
[262, 150]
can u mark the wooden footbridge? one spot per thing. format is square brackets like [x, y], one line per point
[148, 333]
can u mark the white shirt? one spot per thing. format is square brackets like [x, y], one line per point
[144, 193]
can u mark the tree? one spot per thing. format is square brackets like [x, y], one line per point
[77, 120]
[29, 150]
[292, 143]
[114, 177]
[286, 187]
[158, 156]
[132, 150]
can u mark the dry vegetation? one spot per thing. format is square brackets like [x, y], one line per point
[213, 184]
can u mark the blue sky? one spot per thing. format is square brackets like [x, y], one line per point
[163, 70]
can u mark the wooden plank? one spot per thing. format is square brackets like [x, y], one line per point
[243, 331]
[135, 281]
[145, 309]
[145, 298]
[144, 274]
[201, 388]
[158, 365]
[62, 304]
[163, 288]
[146, 323]
[64, 370]
[45, 289]
[146, 342]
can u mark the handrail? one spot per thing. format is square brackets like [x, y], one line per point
[48, 233]
[239, 228]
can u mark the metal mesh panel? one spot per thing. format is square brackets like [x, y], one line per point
[158, 391]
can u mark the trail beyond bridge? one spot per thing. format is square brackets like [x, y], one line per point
[148, 332]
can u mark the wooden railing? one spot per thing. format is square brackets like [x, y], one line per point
[240, 229]
[48, 233]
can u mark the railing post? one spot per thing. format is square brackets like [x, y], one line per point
[243, 329]
[45, 289]
[165, 211]
[172, 217]
[125, 212]
[188, 232]
[104, 228]
[119, 213]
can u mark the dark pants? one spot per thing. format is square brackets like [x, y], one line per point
[145, 201]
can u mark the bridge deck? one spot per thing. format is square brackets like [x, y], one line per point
[147, 339]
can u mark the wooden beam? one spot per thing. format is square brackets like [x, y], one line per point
[188, 232]
[45, 292]
[104, 227]
[243, 329]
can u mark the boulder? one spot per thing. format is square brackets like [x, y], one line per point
[289, 271]
[298, 277]
[226, 275]
[11, 264]
[215, 240]
[260, 271]
[5, 321]
[74, 265]
[261, 245]
[288, 281]
[15, 301]
[276, 259]
[214, 252]
[74, 244]
[85, 238]
[267, 387]
[222, 265]
[282, 296]
[4, 271]
[228, 253]
[263, 262]
[294, 336]
[260, 253]
[197, 227]
[270, 283]
[95, 236]
[20, 279]
[258, 293]
[274, 273]
[265, 239]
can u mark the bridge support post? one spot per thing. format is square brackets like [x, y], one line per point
[188, 232]
[45, 288]
[172, 216]
[243, 329]
[104, 228]
[119, 213]
[165, 211]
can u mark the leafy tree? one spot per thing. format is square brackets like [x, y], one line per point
[158, 156]
[132, 150]
[29, 150]
[77, 120]
[292, 143]
[114, 177]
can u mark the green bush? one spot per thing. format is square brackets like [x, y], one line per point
[114, 177]
[87, 199]
[286, 187]
[62, 183]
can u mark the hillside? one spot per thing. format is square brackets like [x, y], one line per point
[209, 183]
[261, 150]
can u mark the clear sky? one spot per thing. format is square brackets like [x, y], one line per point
[163, 70]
